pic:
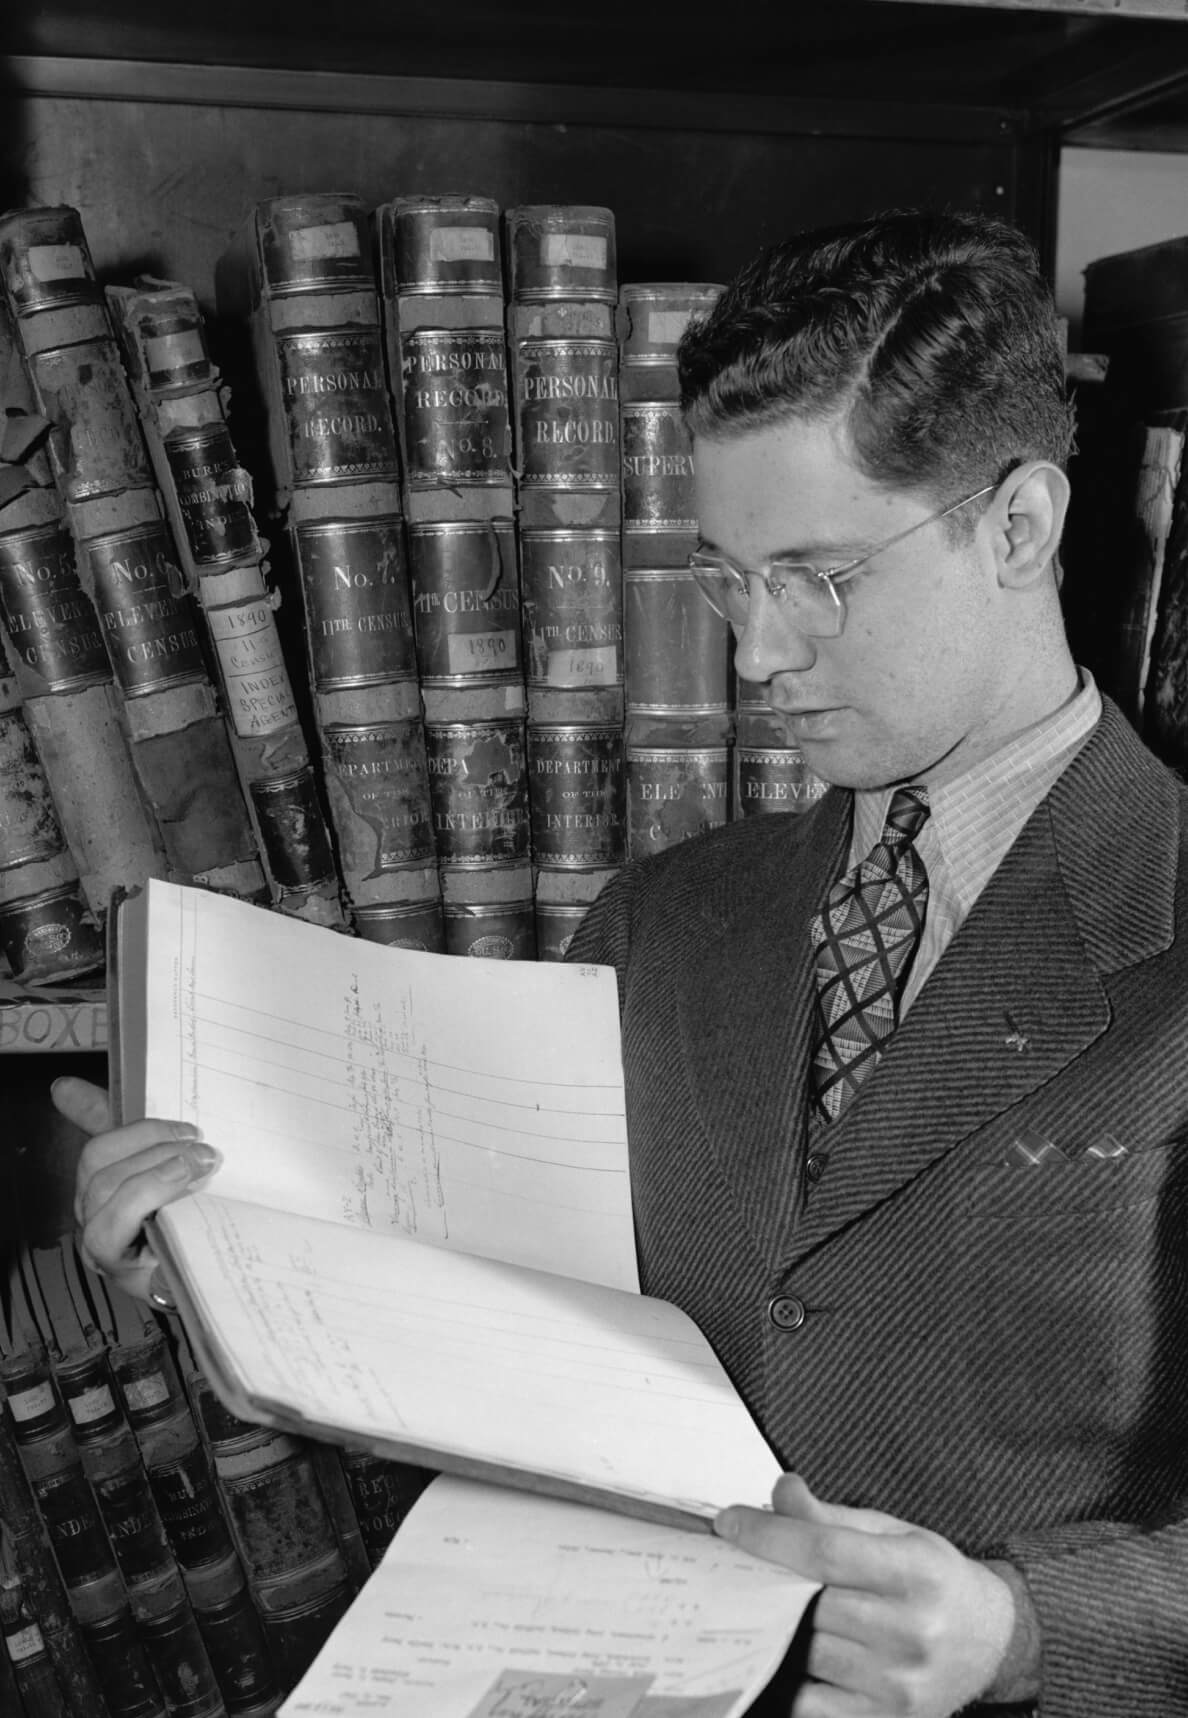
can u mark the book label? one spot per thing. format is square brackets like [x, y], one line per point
[678, 649]
[214, 494]
[657, 469]
[576, 787]
[447, 245]
[314, 243]
[143, 1394]
[45, 262]
[491, 930]
[673, 793]
[418, 926]
[96, 1403]
[24, 1643]
[560, 251]
[656, 314]
[457, 427]
[26, 1405]
[572, 608]
[293, 831]
[49, 619]
[50, 936]
[74, 1525]
[255, 679]
[95, 444]
[29, 827]
[189, 1507]
[379, 769]
[465, 599]
[774, 778]
[568, 396]
[359, 627]
[174, 348]
[336, 403]
[151, 631]
[478, 789]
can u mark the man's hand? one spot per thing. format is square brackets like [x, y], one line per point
[906, 1626]
[124, 1175]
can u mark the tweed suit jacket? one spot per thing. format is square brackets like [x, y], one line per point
[990, 1348]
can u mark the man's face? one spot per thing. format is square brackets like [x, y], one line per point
[919, 679]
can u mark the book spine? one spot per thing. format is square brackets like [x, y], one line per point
[53, 1466]
[442, 295]
[301, 273]
[181, 1475]
[208, 498]
[678, 720]
[769, 772]
[55, 649]
[31, 1677]
[128, 565]
[43, 1587]
[283, 1530]
[47, 931]
[382, 1492]
[563, 292]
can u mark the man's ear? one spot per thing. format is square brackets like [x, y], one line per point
[1031, 507]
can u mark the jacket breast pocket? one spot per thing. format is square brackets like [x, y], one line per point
[1077, 1294]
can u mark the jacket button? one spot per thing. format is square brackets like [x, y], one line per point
[786, 1312]
[814, 1166]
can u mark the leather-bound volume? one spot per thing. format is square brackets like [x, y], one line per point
[572, 616]
[674, 792]
[659, 506]
[301, 279]
[175, 1648]
[128, 566]
[284, 1531]
[209, 499]
[234, 1637]
[562, 251]
[577, 789]
[29, 1549]
[466, 606]
[677, 661]
[382, 1492]
[32, 1678]
[47, 932]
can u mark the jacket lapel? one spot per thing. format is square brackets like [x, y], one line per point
[745, 1010]
[1019, 992]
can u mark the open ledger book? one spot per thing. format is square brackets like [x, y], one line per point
[420, 1239]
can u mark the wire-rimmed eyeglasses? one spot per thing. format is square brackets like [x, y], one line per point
[809, 596]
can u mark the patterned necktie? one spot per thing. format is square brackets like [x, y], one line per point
[865, 940]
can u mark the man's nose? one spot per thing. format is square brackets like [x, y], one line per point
[769, 643]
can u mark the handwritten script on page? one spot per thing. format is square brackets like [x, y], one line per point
[468, 1103]
[489, 1605]
[383, 1337]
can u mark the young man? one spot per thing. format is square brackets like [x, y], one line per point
[905, 1077]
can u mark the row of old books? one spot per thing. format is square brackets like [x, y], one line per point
[490, 677]
[160, 1558]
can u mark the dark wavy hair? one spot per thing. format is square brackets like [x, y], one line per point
[935, 334]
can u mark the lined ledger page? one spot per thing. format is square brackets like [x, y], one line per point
[473, 1359]
[472, 1104]
[488, 1605]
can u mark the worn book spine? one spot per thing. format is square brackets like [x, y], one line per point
[47, 932]
[442, 294]
[54, 647]
[181, 1475]
[300, 277]
[31, 1681]
[678, 719]
[72, 1517]
[382, 1492]
[563, 350]
[299, 1578]
[769, 772]
[208, 498]
[32, 1559]
[128, 562]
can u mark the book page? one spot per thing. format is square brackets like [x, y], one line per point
[475, 1360]
[475, 1104]
[488, 1605]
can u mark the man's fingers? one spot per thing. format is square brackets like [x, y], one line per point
[112, 1228]
[82, 1103]
[105, 1160]
[791, 1496]
[834, 1556]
